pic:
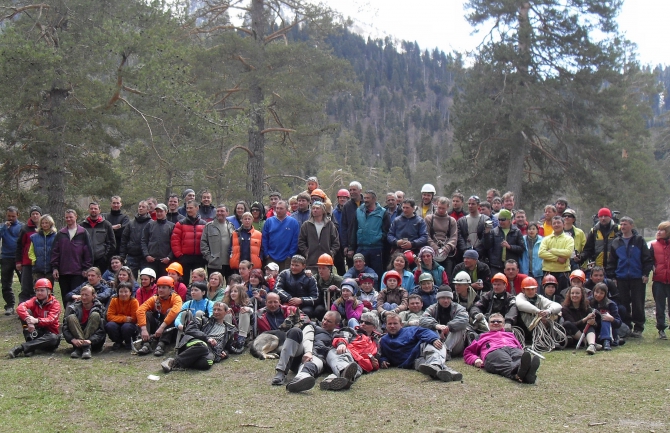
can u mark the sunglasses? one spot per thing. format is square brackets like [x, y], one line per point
[502, 219]
[365, 322]
[495, 321]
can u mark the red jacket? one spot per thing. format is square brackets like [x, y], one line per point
[45, 312]
[264, 324]
[23, 243]
[362, 349]
[517, 284]
[660, 252]
[186, 237]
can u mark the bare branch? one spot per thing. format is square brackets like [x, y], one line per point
[249, 152]
[244, 62]
[16, 11]
[151, 134]
[277, 130]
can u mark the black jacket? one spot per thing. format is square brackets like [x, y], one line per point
[99, 336]
[117, 217]
[348, 218]
[156, 239]
[464, 243]
[483, 273]
[493, 245]
[103, 240]
[131, 241]
[490, 303]
[296, 286]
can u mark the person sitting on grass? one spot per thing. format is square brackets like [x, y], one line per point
[125, 275]
[368, 295]
[239, 313]
[203, 343]
[103, 292]
[449, 319]
[121, 325]
[416, 348]
[550, 289]
[273, 314]
[354, 352]
[257, 289]
[305, 351]
[610, 320]
[531, 306]
[499, 352]
[198, 306]
[83, 324]
[426, 289]
[349, 307]
[498, 301]
[297, 289]
[577, 314]
[39, 316]
[156, 318]
[393, 298]
[176, 271]
[412, 316]
[216, 287]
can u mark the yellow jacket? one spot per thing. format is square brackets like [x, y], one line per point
[553, 247]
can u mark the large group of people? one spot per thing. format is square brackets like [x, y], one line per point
[409, 284]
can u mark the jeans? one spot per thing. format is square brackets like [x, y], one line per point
[121, 333]
[661, 294]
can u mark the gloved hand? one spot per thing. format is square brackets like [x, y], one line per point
[508, 327]
[479, 317]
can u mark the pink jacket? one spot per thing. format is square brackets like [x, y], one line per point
[488, 342]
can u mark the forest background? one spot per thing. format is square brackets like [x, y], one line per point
[246, 97]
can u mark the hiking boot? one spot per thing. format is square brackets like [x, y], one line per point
[28, 353]
[591, 350]
[160, 350]
[599, 346]
[334, 383]
[349, 372]
[531, 376]
[144, 350]
[447, 374]
[429, 370]
[607, 346]
[86, 352]
[524, 366]
[117, 346]
[167, 365]
[635, 334]
[16, 351]
[76, 353]
[302, 382]
[279, 379]
[661, 334]
[325, 383]
[9, 311]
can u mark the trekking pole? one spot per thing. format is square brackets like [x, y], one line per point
[579, 343]
[255, 317]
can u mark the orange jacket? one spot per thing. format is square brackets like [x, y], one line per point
[169, 308]
[255, 241]
[118, 310]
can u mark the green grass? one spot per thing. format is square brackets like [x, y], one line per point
[627, 388]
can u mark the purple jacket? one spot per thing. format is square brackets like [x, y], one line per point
[71, 257]
[488, 342]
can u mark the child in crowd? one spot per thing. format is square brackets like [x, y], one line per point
[347, 305]
[368, 294]
[271, 272]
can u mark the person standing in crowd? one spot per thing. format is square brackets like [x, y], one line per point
[185, 241]
[628, 264]
[9, 234]
[408, 231]
[280, 237]
[206, 210]
[348, 216]
[368, 231]
[156, 236]
[660, 288]
[131, 241]
[71, 255]
[23, 263]
[41, 243]
[118, 220]
[442, 234]
[555, 252]
[101, 234]
[173, 214]
[318, 236]
[215, 243]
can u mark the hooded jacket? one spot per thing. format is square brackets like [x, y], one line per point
[629, 261]
[47, 313]
[168, 308]
[312, 244]
[186, 236]
[23, 243]
[299, 285]
[493, 245]
[156, 238]
[369, 229]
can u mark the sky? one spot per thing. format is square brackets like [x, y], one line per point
[441, 23]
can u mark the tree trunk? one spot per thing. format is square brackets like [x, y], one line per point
[51, 163]
[256, 162]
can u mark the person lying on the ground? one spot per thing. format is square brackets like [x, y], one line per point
[415, 347]
[499, 352]
[204, 342]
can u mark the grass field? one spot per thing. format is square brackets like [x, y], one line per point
[627, 389]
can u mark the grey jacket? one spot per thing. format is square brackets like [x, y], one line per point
[215, 243]
[156, 239]
[459, 317]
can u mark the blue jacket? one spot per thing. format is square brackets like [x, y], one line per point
[337, 216]
[429, 298]
[413, 229]
[628, 262]
[353, 273]
[369, 229]
[9, 236]
[402, 349]
[194, 306]
[42, 245]
[301, 217]
[537, 261]
[280, 238]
